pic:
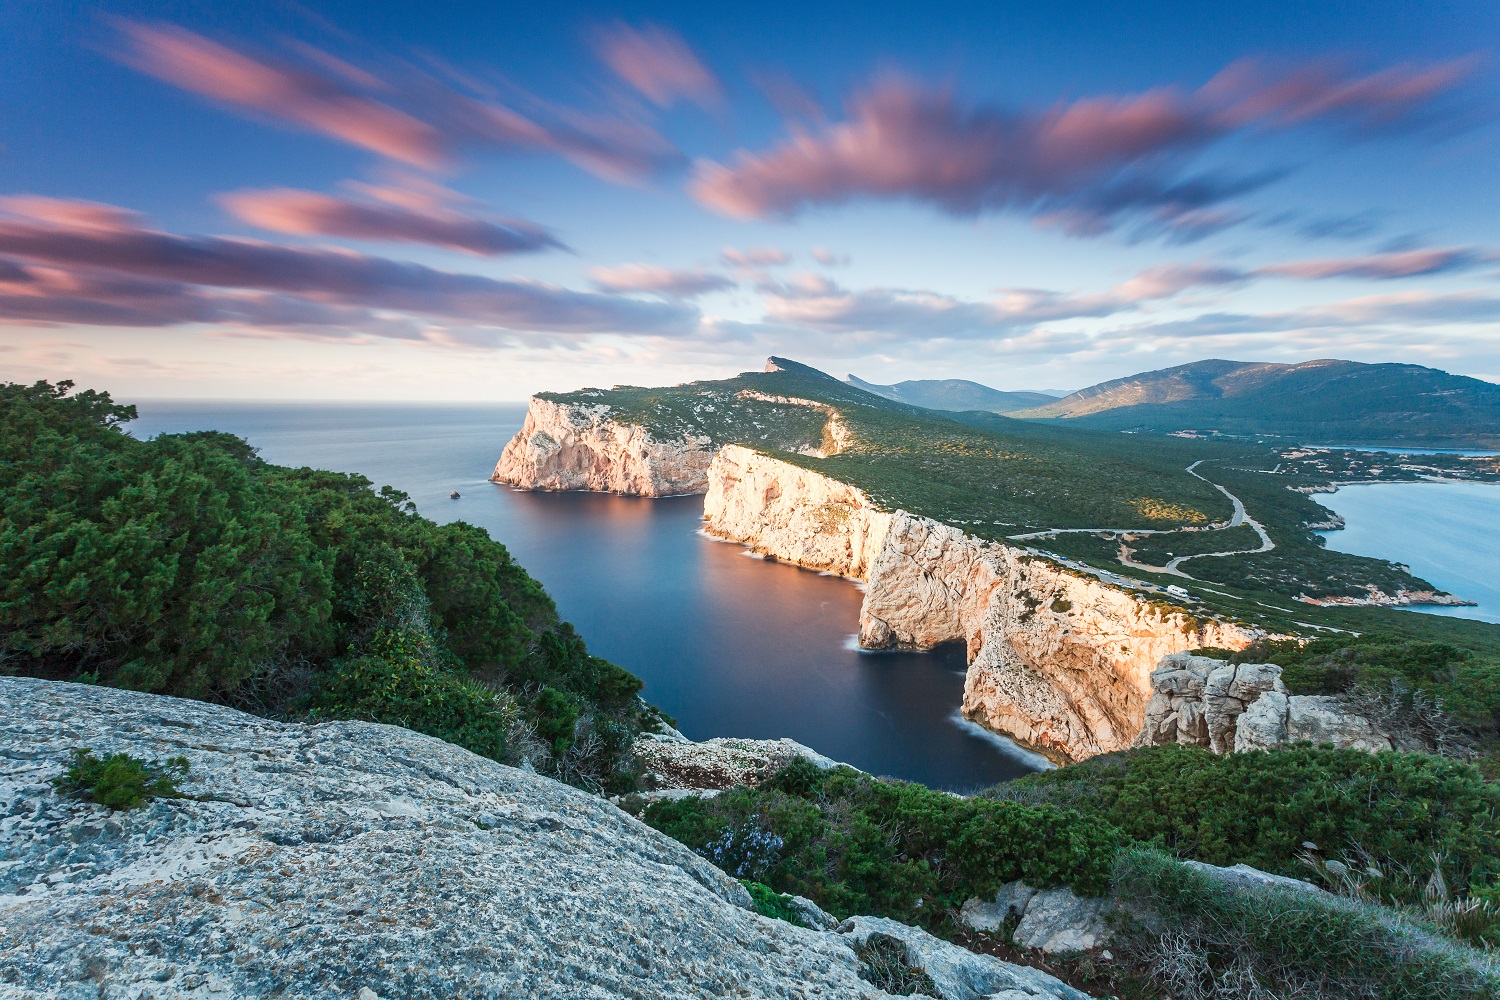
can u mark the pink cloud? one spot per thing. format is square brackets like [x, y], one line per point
[411, 118]
[657, 280]
[1084, 164]
[755, 257]
[69, 261]
[658, 63]
[1404, 264]
[407, 220]
[316, 102]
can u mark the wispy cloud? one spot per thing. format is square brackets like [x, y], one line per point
[410, 117]
[658, 63]
[171, 277]
[1088, 165]
[665, 281]
[386, 215]
[756, 257]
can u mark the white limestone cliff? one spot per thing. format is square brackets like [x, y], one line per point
[571, 446]
[1058, 661]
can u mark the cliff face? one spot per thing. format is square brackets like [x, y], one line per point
[579, 447]
[1058, 661]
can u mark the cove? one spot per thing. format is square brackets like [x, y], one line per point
[729, 645]
[1444, 531]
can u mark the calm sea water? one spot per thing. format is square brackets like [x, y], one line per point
[729, 645]
[1446, 532]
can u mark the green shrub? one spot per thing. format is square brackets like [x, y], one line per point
[770, 903]
[857, 844]
[121, 781]
[399, 689]
[185, 565]
[1216, 941]
[1468, 685]
[1259, 808]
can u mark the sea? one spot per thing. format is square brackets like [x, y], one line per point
[1447, 532]
[727, 644]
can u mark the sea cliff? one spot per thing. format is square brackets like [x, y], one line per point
[571, 446]
[1057, 660]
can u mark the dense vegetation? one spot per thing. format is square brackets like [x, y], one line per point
[1335, 402]
[185, 565]
[857, 844]
[1388, 834]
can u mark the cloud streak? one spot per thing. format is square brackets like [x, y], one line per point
[411, 118]
[658, 63]
[656, 280]
[116, 246]
[308, 213]
[1087, 165]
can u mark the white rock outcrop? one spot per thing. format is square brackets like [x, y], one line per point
[1057, 660]
[673, 762]
[570, 446]
[1226, 707]
[358, 860]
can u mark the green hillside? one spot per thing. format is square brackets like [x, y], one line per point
[1020, 480]
[1317, 402]
[954, 394]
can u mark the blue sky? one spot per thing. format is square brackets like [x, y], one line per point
[477, 200]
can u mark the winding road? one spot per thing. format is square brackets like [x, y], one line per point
[1239, 517]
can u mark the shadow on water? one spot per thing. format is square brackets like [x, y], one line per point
[729, 645]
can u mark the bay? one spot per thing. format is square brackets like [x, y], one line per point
[1445, 531]
[729, 645]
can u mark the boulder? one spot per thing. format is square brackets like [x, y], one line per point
[960, 974]
[813, 915]
[1263, 724]
[1324, 720]
[1057, 921]
[1226, 707]
[1245, 877]
[990, 915]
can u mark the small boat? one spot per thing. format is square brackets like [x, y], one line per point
[453, 495]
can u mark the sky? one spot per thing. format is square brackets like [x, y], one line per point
[475, 201]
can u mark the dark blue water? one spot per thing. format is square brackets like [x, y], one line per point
[729, 645]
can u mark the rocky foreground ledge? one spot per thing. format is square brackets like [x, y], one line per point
[356, 860]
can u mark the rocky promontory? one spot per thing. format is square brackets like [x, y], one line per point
[354, 860]
[1057, 660]
[580, 446]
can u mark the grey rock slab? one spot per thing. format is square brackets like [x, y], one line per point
[1244, 877]
[348, 857]
[959, 974]
[1263, 724]
[991, 915]
[1322, 719]
[1058, 921]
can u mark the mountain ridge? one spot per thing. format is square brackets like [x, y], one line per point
[1324, 401]
[953, 394]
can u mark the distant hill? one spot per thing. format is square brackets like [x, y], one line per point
[954, 394]
[1316, 402]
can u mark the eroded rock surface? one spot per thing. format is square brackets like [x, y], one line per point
[1226, 707]
[352, 859]
[1057, 660]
